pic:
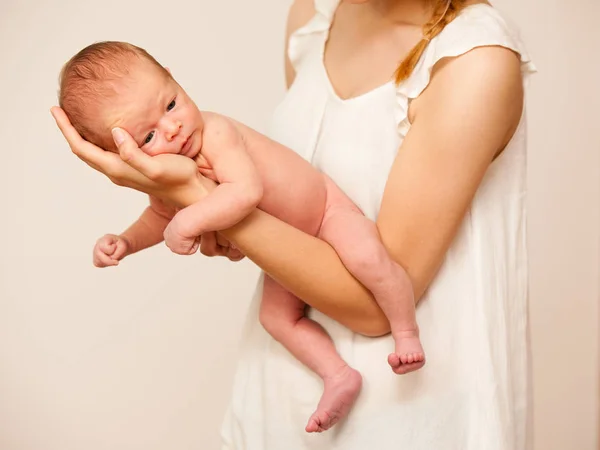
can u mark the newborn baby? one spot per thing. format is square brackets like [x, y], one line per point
[116, 84]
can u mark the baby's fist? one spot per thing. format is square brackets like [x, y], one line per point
[178, 242]
[109, 250]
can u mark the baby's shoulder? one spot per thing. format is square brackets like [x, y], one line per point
[218, 130]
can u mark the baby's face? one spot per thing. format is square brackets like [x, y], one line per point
[157, 113]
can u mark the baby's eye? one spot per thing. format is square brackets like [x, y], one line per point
[171, 105]
[149, 137]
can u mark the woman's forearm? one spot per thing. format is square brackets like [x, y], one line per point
[305, 265]
[310, 268]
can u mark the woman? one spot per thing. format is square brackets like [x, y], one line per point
[437, 157]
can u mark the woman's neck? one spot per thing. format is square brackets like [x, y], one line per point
[405, 12]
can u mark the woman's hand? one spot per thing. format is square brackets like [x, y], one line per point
[215, 244]
[173, 178]
[283, 251]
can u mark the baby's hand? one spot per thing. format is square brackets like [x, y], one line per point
[109, 250]
[178, 241]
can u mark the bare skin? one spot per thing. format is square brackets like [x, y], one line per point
[252, 171]
[424, 184]
[426, 194]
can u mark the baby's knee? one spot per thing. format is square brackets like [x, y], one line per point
[269, 321]
[372, 259]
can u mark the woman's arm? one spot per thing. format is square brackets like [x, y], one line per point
[461, 123]
[302, 263]
[466, 116]
[283, 251]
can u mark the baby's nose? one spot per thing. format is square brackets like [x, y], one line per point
[172, 129]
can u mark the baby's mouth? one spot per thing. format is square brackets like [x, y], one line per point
[187, 144]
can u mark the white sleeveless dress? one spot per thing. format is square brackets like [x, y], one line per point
[474, 391]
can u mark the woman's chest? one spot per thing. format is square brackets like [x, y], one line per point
[353, 141]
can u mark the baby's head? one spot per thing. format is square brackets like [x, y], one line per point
[116, 84]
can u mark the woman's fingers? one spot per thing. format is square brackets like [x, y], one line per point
[172, 177]
[234, 254]
[70, 134]
[134, 157]
[221, 241]
[94, 156]
[208, 244]
[108, 163]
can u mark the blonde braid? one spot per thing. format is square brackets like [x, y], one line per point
[445, 12]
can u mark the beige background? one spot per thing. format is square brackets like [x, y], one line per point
[142, 357]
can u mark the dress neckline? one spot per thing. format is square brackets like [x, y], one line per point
[331, 88]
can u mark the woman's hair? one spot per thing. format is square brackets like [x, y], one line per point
[444, 12]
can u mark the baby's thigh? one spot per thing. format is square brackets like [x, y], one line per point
[337, 200]
[298, 199]
[353, 236]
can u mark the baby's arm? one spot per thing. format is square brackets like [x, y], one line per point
[239, 191]
[148, 229]
[143, 233]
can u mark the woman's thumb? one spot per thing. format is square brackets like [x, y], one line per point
[124, 143]
[118, 136]
[131, 153]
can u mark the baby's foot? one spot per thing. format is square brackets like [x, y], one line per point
[339, 393]
[409, 355]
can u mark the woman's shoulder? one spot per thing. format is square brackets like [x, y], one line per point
[300, 13]
[478, 26]
[309, 16]
[307, 26]
[483, 18]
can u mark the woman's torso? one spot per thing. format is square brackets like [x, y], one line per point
[473, 394]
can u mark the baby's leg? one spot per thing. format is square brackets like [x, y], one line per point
[282, 315]
[356, 240]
